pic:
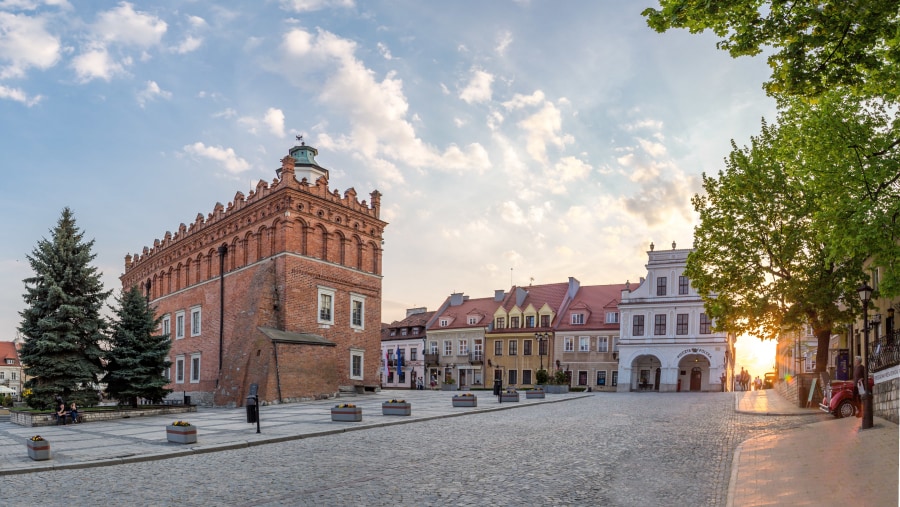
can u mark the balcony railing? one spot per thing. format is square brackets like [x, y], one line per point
[885, 352]
[476, 357]
[432, 359]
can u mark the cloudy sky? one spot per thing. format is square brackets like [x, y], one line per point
[514, 142]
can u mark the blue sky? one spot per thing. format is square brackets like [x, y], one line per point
[513, 141]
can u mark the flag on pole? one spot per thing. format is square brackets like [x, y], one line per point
[399, 364]
[387, 369]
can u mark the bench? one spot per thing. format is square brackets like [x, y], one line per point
[65, 418]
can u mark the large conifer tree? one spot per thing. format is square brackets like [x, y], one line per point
[61, 324]
[138, 355]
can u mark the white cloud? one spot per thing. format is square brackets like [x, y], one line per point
[316, 5]
[229, 160]
[25, 43]
[566, 170]
[274, 119]
[18, 95]
[385, 52]
[543, 129]
[479, 88]
[653, 149]
[227, 113]
[196, 21]
[96, 64]
[190, 43]
[150, 92]
[126, 26]
[504, 39]
[519, 101]
[30, 5]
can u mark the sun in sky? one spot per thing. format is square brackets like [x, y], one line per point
[755, 355]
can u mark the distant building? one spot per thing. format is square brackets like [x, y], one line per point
[403, 350]
[667, 342]
[281, 289]
[456, 340]
[10, 370]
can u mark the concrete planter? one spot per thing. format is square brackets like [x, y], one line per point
[388, 408]
[465, 401]
[509, 397]
[346, 414]
[534, 395]
[181, 434]
[556, 389]
[38, 451]
[448, 387]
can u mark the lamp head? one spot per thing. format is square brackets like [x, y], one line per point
[865, 293]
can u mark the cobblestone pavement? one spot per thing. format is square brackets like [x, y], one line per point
[618, 449]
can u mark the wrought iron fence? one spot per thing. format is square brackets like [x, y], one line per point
[885, 352]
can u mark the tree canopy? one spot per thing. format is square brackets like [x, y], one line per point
[61, 323]
[137, 359]
[813, 45]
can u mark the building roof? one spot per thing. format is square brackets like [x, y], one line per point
[8, 351]
[594, 301]
[279, 336]
[418, 320]
[457, 315]
[552, 294]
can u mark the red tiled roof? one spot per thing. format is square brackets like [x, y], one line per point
[8, 351]
[594, 301]
[459, 315]
[552, 294]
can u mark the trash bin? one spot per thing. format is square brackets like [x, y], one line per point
[187, 401]
[497, 387]
[252, 408]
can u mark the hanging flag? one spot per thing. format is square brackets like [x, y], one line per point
[387, 368]
[399, 364]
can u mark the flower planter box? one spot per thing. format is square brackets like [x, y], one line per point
[347, 414]
[465, 401]
[388, 408]
[448, 387]
[181, 434]
[557, 389]
[531, 395]
[509, 397]
[38, 451]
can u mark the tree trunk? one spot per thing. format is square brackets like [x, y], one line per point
[824, 338]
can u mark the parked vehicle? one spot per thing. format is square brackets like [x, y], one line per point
[838, 398]
[769, 380]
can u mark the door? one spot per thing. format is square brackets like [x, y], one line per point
[696, 378]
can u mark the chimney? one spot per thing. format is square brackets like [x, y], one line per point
[499, 294]
[456, 299]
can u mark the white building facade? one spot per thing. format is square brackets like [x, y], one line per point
[667, 343]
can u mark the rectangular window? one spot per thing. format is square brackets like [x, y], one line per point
[413, 353]
[12, 376]
[545, 321]
[195, 368]
[661, 286]
[195, 321]
[444, 322]
[602, 344]
[168, 371]
[637, 325]
[526, 350]
[659, 325]
[683, 285]
[357, 311]
[356, 364]
[681, 323]
[569, 344]
[326, 305]
[615, 377]
[514, 322]
[529, 321]
[167, 326]
[584, 344]
[179, 325]
[500, 323]
[513, 377]
[612, 317]
[615, 343]
[179, 369]
[601, 378]
[526, 377]
[463, 347]
[705, 324]
[2, 375]
[434, 347]
[498, 347]
[472, 320]
[513, 347]
[448, 347]
[577, 319]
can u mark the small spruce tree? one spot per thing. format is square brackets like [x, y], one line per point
[61, 323]
[137, 359]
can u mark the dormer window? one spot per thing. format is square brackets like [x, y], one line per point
[473, 320]
[612, 317]
[577, 319]
[444, 322]
[403, 332]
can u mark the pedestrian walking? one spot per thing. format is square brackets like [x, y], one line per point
[860, 379]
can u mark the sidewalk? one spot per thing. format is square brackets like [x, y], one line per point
[832, 462]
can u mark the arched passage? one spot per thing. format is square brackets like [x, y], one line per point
[645, 373]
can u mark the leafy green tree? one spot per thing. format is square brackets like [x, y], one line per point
[758, 257]
[138, 356]
[813, 45]
[61, 324]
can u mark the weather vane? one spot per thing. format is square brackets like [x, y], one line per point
[300, 138]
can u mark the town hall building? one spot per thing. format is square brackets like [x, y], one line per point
[667, 342]
[280, 290]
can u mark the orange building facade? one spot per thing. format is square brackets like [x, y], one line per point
[281, 289]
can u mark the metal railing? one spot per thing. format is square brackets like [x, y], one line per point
[885, 352]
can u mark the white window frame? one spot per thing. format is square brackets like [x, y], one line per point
[179, 325]
[473, 320]
[166, 326]
[514, 347]
[357, 299]
[584, 344]
[434, 347]
[329, 293]
[448, 347]
[357, 353]
[463, 347]
[601, 375]
[612, 317]
[569, 344]
[615, 341]
[444, 322]
[577, 319]
[195, 368]
[602, 344]
[168, 371]
[179, 369]
[196, 321]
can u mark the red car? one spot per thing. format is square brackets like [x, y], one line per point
[838, 399]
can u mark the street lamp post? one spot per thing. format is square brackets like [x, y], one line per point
[865, 295]
[540, 337]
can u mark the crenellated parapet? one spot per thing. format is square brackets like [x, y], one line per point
[259, 221]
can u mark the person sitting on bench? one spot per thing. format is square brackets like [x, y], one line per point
[61, 413]
[73, 411]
